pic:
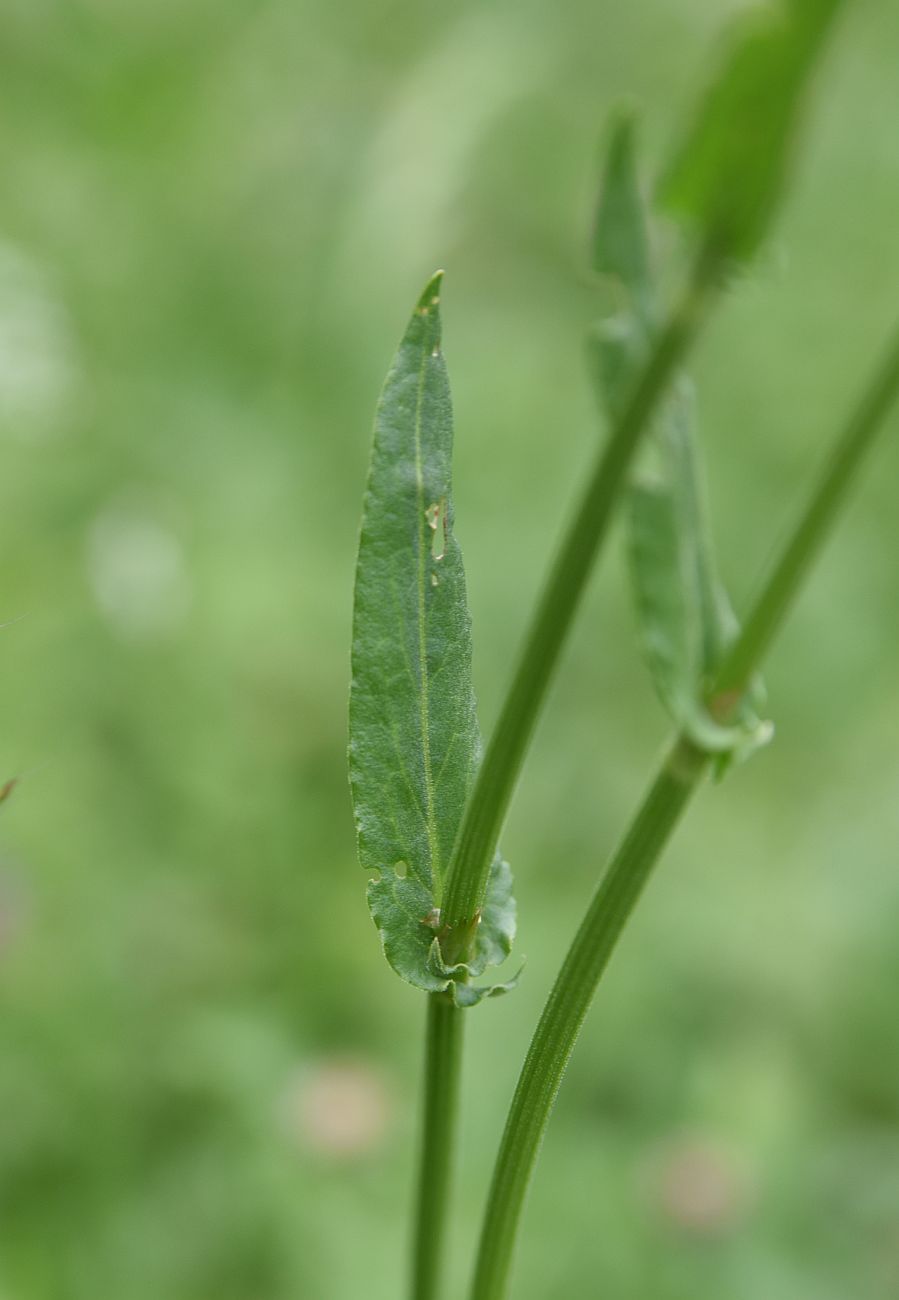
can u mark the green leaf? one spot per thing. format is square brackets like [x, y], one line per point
[621, 254]
[683, 613]
[729, 173]
[410, 930]
[414, 741]
[621, 235]
[685, 617]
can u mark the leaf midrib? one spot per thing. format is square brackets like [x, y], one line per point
[423, 698]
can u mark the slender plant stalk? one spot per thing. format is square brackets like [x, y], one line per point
[498, 772]
[828, 495]
[568, 1004]
[631, 865]
[443, 1060]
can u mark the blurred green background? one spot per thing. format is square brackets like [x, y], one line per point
[214, 221]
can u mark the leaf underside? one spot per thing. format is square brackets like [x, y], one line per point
[684, 616]
[414, 740]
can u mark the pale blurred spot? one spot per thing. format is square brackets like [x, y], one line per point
[887, 1259]
[699, 1186]
[337, 1108]
[137, 573]
[421, 158]
[38, 375]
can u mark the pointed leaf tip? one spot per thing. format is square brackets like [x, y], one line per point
[430, 297]
[620, 233]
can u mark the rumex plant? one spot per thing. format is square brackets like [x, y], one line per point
[414, 741]
[429, 806]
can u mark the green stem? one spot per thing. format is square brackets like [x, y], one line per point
[498, 772]
[568, 1004]
[443, 1059]
[575, 986]
[815, 523]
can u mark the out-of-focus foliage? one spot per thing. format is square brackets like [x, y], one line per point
[684, 613]
[729, 174]
[213, 218]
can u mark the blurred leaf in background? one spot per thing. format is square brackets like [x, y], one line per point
[212, 220]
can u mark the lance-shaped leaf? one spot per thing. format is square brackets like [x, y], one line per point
[729, 173]
[684, 617]
[621, 234]
[414, 740]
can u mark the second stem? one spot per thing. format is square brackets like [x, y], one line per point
[498, 772]
[568, 1005]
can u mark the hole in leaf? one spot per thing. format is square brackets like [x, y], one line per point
[436, 517]
[400, 870]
